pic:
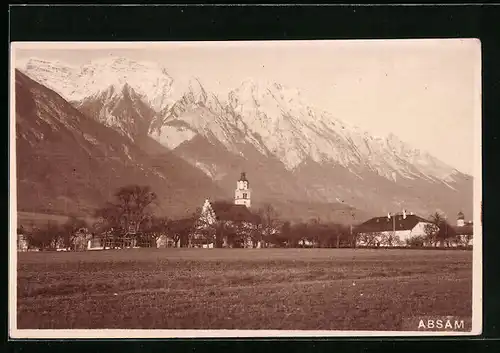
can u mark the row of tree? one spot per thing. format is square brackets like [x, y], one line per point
[53, 234]
[189, 230]
[131, 215]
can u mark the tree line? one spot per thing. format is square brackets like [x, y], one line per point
[131, 214]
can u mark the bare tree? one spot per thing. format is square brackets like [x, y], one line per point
[370, 238]
[47, 237]
[415, 241]
[130, 209]
[156, 225]
[386, 239]
[70, 228]
[300, 233]
[431, 231]
[466, 238]
[353, 236]
[154, 228]
[440, 231]
[180, 230]
[268, 222]
[285, 232]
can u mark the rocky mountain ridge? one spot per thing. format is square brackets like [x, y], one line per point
[263, 127]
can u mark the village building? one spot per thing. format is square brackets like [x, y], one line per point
[230, 219]
[161, 241]
[164, 241]
[22, 242]
[96, 242]
[79, 240]
[391, 230]
[464, 230]
[109, 240]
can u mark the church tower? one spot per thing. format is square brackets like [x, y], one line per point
[242, 192]
[460, 219]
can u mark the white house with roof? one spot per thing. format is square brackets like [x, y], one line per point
[391, 230]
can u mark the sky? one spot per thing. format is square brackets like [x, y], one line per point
[427, 92]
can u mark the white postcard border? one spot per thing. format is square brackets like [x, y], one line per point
[15, 333]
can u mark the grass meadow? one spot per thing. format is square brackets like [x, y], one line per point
[299, 289]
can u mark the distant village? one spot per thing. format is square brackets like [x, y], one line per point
[233, 224]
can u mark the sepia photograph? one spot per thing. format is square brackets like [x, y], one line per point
[245, 188]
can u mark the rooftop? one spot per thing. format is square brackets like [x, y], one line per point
[226, 211]
[384, 224]
[243, 177]
[467, 229]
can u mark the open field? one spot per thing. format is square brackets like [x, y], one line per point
[314, 289]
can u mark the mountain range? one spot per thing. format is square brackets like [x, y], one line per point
[69, 163]
[303, 160]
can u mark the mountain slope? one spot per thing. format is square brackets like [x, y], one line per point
[295, 152]
[310, 155]
[121, 109]
[69, 163]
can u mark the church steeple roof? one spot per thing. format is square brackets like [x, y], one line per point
[243, 177]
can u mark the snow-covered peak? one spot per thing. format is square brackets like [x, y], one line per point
[56, 75]
[34, 62]
[277, 119]
[264, 85]
[150, 80]
[195, 89]
[113, 92]
[192, 94]
[256, 90]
